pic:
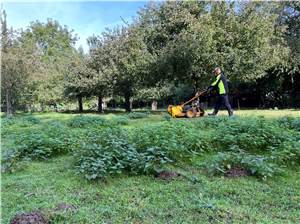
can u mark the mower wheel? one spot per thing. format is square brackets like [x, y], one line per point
[190, 114]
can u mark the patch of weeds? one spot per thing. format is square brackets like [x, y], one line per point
[83, 121]
[259, 166]
[290, 123]
[111, 153]
[39, 144]
[166, 117]
[138, 115]
[120, 120]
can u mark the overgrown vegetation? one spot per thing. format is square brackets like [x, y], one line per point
[108, 152]
[104, 147]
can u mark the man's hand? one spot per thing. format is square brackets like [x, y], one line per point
[209, 89]
[198, 93]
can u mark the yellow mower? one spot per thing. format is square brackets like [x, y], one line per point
[186, 110]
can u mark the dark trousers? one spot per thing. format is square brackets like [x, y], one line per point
[222, 99]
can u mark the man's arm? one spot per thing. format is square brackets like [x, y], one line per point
[214, 83]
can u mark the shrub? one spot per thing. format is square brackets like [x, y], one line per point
[10, 125]
[137, 115]
[256, 135]
[44, 144]
[296, 124]
[82, 121]
[31, 120]
[10, 160]
[166, 117]
[21, 122]
[165, 136]
[290, 123]
[259, 166]
[40, 144]
[111, 153]
[120, 120]
[288, 152]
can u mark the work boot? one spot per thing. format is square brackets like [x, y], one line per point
[230, 113]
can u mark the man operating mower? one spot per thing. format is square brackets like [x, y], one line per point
[221, 85]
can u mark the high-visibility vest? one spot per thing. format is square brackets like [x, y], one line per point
[221, 84]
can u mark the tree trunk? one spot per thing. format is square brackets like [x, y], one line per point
[80, 106]
[55, 107]
[154, 105]
[131, 101]
[42, 107]
[9, 110]
[128, 103]
[100, 102]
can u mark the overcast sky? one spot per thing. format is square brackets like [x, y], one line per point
[84, 17]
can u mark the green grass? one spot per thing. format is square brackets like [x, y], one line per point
[41, 185]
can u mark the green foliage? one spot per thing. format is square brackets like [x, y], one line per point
[137, 115]
[167, 136]
[40, 143]
[104, 147]
[257, 145]
[290, 123]
[249, 134]
[83, 121]
[121, 120]
[8, 125]
[21, 122]
[108, 152]
[260, 166]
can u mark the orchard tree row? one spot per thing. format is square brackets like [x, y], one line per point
[168, 45]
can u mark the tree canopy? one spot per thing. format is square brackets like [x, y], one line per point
[168, 45]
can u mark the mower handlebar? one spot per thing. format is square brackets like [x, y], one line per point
[198, 94]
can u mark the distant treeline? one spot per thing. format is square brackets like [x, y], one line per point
[166, 54]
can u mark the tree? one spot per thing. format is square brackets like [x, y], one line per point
[15, 68]
[53, 47]
[124, 59]
[102, 86]
[195, 37]
[79, 80]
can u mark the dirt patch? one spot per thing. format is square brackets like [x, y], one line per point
[65, 207]
[29, 218]
[167, 175]
[237, 172]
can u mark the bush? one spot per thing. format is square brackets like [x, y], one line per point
[82, 121]
[40, 144]
[290, 123]
[288, 152]
[296, 124]
[255, 135]
[111, 153]
[26, 121]
[259, 166]
[10, 125]
[166, 136]
[138, 115]
[120, 120]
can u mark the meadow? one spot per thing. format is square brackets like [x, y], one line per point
[147, 167]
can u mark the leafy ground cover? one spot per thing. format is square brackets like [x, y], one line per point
[112, 170]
